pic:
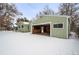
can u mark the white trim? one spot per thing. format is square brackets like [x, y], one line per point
[51, 29]
[42, 23]
[67, 27]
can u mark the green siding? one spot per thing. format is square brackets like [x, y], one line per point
[44, 19]
[57, 32]
[60, 32]
[25, 27]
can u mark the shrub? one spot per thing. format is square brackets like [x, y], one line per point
[77, 31]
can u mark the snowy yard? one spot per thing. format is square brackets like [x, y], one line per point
[27, 43]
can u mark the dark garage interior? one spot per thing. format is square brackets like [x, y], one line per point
[41, 29]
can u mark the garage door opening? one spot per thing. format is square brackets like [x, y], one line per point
[41, 29]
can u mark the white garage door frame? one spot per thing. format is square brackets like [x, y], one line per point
[44, 24]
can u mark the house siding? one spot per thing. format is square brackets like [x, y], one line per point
[25, 27]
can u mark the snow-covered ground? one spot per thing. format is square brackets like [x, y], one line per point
[27, 43]
[73, 35]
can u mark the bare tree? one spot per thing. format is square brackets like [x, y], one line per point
[45, 11]
[70, 9]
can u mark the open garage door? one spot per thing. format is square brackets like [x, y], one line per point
[41, 29]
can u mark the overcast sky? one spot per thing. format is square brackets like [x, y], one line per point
[30, 10]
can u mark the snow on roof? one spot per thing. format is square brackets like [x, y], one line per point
[25, 22]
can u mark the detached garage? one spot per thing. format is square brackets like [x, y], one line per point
[55, 26]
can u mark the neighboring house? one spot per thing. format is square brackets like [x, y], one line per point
[23, 26]
[54, 26]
